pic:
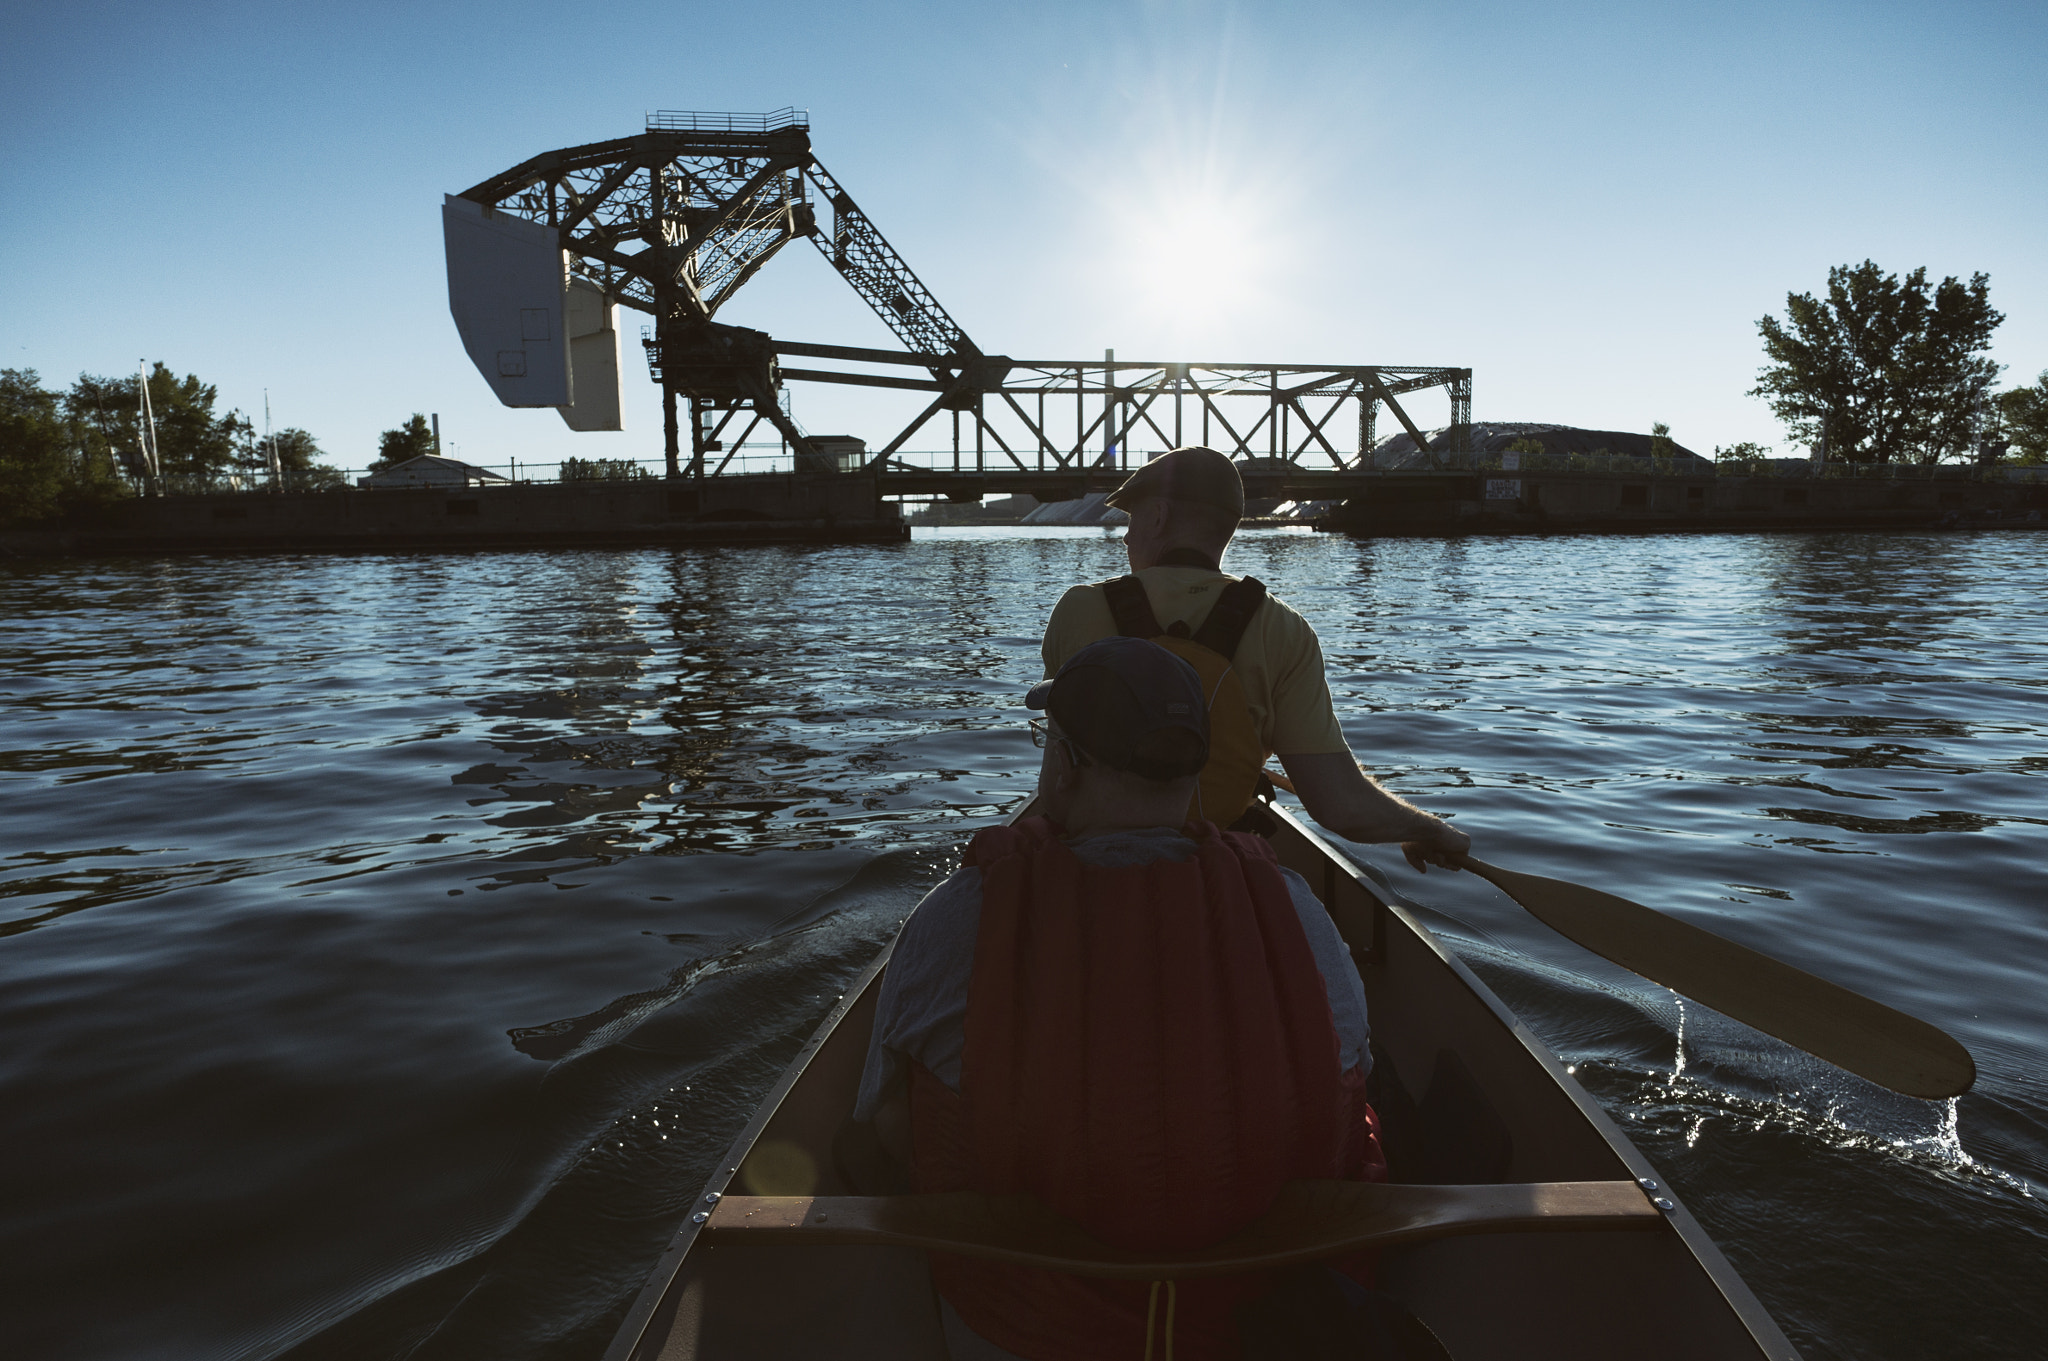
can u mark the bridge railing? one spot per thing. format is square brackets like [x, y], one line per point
[768, 458]
[691, 120]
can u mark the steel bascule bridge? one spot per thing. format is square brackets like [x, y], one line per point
[674, 221]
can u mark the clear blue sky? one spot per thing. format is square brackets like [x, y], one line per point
[1590, 205]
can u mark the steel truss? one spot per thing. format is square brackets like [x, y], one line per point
[1063, 415]
[674, 221]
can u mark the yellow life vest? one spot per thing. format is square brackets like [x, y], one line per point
[1237, 756]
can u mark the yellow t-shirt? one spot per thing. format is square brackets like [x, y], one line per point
[1279, 661]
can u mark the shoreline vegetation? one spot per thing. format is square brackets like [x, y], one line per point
[1881, 376]
[66, 457]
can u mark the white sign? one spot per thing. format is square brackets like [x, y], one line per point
[1511, 462]
[1503, 488]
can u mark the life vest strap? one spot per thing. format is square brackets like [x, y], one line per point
[1221, 632]
[1231, 615]
[1130, 608]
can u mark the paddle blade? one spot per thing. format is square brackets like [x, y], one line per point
[1830, 1022]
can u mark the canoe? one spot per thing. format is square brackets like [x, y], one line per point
[1523, 1224]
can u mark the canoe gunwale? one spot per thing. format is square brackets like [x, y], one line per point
[1740, 1299]
[634, 1327]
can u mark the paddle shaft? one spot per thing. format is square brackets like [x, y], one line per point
[1826, 1020]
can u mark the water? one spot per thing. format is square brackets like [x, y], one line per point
[389, 945]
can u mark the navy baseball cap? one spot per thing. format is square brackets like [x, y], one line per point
[1131, 705]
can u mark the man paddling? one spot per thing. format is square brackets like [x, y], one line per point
[1260, 661]
[1145, 1024]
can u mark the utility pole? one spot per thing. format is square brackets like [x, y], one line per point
[270, 448]
[1109, 439]
[671, 445]
[145, 429]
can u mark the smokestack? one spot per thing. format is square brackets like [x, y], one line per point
[437, 432]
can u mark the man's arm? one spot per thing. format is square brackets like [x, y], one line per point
[1345, 800]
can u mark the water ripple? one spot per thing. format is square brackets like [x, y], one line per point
[402, 937]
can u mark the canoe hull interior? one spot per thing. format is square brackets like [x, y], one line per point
[1470, 1096]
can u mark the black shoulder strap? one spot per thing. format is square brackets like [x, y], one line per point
[1131, 610]
[1231, 615]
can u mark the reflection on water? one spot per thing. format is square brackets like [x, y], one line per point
[402, 938]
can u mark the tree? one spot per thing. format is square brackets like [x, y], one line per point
[410, 440]
[47, 468]
[1884, 369]
[297, 459]
[103, 410]
[1661, 445]
[198, 448]
[601, 470]
[2023, 418]
[32, 447]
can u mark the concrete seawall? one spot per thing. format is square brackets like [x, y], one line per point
[774, 508]
[1491, 502]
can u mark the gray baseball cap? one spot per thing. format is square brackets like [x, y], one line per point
[1191, 474]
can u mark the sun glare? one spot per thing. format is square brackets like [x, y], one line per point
[1196, 262]
[1197, 226]
[1199, 252]
[1183, 245]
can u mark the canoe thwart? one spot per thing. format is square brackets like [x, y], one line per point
[1309, 1221]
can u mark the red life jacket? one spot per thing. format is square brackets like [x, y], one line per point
[1150, 1052]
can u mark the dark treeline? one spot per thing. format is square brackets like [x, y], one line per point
[63, 453]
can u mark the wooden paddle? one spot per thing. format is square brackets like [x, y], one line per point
[1826, 1020]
